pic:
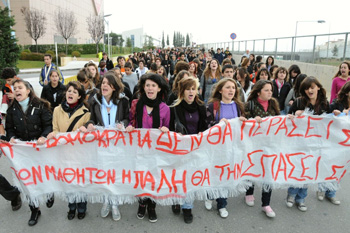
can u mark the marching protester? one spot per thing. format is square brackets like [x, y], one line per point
[95, 74]
[70, 116]
[54, 90]
[110, 109]
[224, 104]
[45, 71]
[294, 93]
[188, 116]
[85, 78]
[28, 118]
[210, 76]
[312, 97]
[261, 104]
[242, 76]
[281, 87]
[339, 79]
[9, 75]
[150, 111]
[109, 63]
[293, 72]
[269, 62]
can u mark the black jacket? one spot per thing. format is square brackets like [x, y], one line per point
[109, 64]
[282, 95]
[34, 123]
[47, 94]
[122, 115]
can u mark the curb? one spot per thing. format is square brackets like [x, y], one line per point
[31, 71]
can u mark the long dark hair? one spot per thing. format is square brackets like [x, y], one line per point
[321, 101]
[258, 86]
[32, 97]
[164, 88]
[297, 82]
[339, 73]
[114, 82]
[81, 91]
[243, 71]
[342, 97]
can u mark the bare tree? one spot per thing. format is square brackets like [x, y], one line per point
[66, 24]
[35, 23]
[96, 28]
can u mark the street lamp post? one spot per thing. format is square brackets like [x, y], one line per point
[107, 22]
[296, 30]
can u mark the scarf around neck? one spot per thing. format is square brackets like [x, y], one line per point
[155, 112]
[108, 121]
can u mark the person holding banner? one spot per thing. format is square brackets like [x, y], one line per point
[71, 115]
[28, 118]
[109, 108]
[312, 97]
[188, 116]
[261, 104]
[224, 104]
[150, 111]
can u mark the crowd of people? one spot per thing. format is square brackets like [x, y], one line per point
[181, 90]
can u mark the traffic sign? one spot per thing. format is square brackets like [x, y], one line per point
[233, 36]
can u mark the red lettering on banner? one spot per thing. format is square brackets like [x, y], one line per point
[162, 179]
[26, 176]
[3, 145]
[227, 131]
[131, 137]
[222, 169]
[50, 170]
[37, 174]
[169, 144]
[294, 127]
[293, 166]
[91, 169]
[273, 124]
[80, 176]
[282, 126]
[111, 177]
[210, 134]
[284, 169]
[72, 140]
[100, 174]
[126, 176]
[183, 181]
[93, 139]
[238, 170]
[347, 134]
[138, 178]
[206, 177]
[195, 177]
[146, 139]
[328, 128]
[148, 178]
[305, 168]
[317, 166]
[334, 169]
[120, 137]
[262, 162]
[68, 172]
[309, 127]
[259, 127]
[251, 165]
[243, 125]
[59, 175]
[101, 135]
[194, 138]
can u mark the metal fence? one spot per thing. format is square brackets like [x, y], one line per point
[310, 48]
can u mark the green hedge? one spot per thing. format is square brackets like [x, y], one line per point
[82, 48]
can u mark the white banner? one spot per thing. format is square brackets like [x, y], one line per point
[169, 167]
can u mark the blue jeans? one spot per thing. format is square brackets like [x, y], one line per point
[298, 193]
[328, 192]
[187, 205]
[221, 203]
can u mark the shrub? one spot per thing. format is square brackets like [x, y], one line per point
[24, 55]
[36, 57]
[50, 52]
[26, 50]
[76, 54]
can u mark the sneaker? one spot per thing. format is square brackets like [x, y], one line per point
[223, 212]
[176, 209]
[268, 211]
[50, 201]
[81, 215]
[188, 217]
[249, 200]
[301, 206]
[106, 207]
[333, 200]
[71, 214]
[141, 211]
[208, 204]
[320, 195]
[34, 217]
[17, 203]
[152, 215]
[115, 213]
[290, 201]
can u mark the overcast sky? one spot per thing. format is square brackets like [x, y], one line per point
[214, 21]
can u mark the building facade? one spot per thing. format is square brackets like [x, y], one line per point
[81, 9]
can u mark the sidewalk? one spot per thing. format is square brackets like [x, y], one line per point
[73, 65]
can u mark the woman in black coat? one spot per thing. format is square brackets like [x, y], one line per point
[54, 91]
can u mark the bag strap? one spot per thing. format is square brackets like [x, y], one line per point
[76, 119]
